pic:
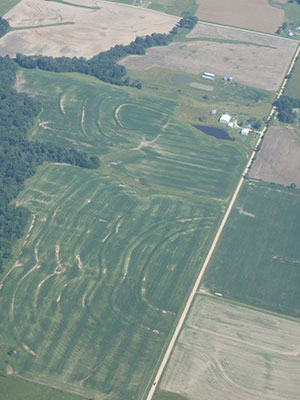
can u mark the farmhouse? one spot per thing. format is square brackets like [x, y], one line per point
[225, 118]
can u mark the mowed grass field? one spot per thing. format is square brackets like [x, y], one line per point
[110, 254]
[232, 352]
[257, 259]
[293, 85]
[6, 5]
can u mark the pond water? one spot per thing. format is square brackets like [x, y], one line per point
[181, 79]
[218, 133]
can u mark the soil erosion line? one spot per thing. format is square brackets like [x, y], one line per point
[211, 250]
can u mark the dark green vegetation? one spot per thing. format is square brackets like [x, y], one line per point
[110, 254]
[285, 106]
[4, 26]
[292, 19]
[104, 65]
[257, 259]
[19, 157]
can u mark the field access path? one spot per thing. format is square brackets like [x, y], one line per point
[189, 302]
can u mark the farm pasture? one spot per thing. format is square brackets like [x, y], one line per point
[292, 88]
[257, 259]
[77, 31]
[6, 5]
[279, 158]
[251, 59]
[257, 15]
[231, 352]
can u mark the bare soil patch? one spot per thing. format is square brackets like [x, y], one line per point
[256, 15]
[254, 59]
[279, 158]
[229, 352]
[91, 31]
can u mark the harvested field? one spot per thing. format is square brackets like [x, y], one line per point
[257, 259]
[88, 32]
[279, 158]
[257, 15]
[230, 352]
[251, 59]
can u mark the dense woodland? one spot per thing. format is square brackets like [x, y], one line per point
[104, 65]
[285, 106]
[19, 156]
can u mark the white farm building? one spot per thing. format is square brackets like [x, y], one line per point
[225, 118]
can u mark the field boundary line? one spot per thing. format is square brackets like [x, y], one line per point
[246, 30]
[249, 307]
[194, 290]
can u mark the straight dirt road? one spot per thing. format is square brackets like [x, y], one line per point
[212, 248]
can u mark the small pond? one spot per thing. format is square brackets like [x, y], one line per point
[218, 133]
[181, 79]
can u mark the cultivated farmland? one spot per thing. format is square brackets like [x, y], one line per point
[135, 134]
[110, 254]
[279, 158]
[231, 352]
[77, 30]
[256, 15]
[251, 59]
[257, 259]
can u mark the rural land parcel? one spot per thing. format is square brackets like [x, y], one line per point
[83, 28]
[250, 58]
[229, 351]
[110, 254]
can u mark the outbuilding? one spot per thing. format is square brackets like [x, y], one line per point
[245, 131]
[225, 118]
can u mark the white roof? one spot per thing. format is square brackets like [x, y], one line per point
[245, 131]
[225, 118]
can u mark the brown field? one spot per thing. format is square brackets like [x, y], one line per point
[257, 15]
[91, 31]
[279, 158]
[229, 352]
[255, 59]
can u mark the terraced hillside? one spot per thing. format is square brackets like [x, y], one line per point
[111, 254]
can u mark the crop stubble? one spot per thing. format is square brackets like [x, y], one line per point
[256, 15]
[252, 59]
[91, 31]
[231, 352]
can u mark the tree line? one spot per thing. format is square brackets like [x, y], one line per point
[4, 26]
[285, 106]
[19, 156]
[104, 65]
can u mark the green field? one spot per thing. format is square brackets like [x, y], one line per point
[194, 104]
[110, 255]
[293, 85]
[257, 259]
[6, 5]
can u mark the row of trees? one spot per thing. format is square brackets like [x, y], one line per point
[4, 26]
[104, 65]
[19, 157]
[285, 106]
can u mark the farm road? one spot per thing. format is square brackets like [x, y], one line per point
[212, 248]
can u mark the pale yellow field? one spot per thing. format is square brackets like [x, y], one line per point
[254, 59]
[256, 15]
[230, 352]
[91, 31]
